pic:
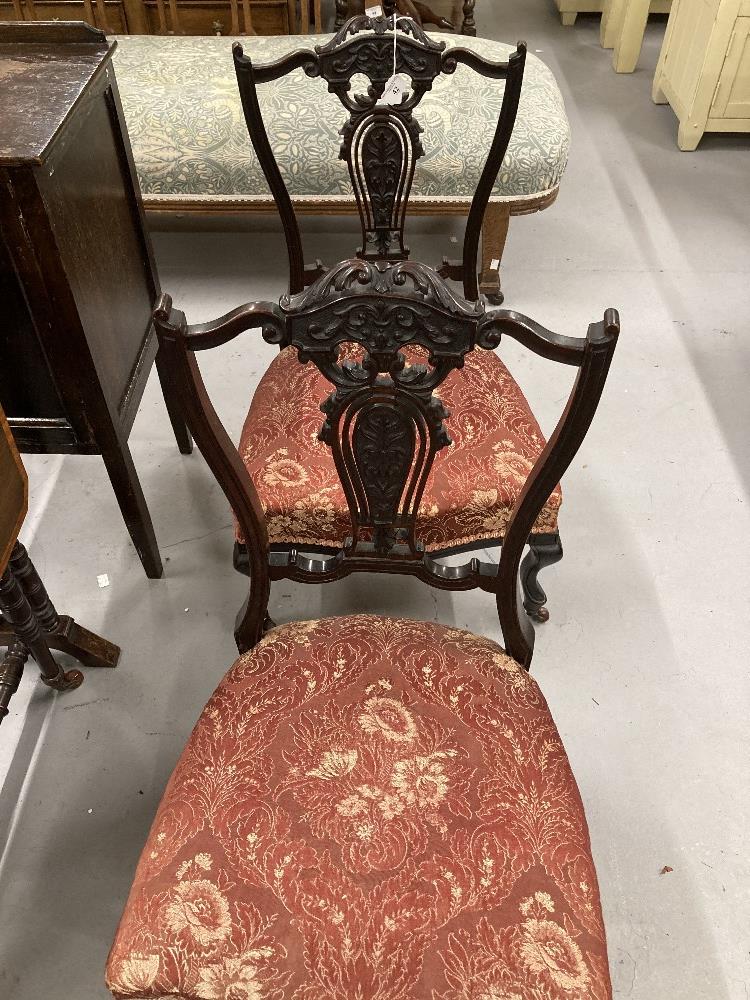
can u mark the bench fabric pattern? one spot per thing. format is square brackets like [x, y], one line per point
[368, 808]
[189, 138]
[473, 484]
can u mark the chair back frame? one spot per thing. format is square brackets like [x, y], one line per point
[386, 394]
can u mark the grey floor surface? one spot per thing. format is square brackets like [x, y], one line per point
[644, 660]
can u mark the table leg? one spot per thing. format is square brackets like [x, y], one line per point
[61, 632]
[11, 671]
[127, 487]
[18, 614]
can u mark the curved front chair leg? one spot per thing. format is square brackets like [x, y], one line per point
[544, 550]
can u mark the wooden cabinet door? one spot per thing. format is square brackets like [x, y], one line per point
[732, 98]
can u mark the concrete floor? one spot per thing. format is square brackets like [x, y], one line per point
[644, 660]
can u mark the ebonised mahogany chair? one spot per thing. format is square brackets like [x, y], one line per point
[367, 807]
[469, 482]
[372, 808]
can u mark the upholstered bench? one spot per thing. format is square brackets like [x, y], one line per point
[192, 150]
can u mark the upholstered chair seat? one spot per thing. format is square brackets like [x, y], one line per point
[368, 808]
[473, 484]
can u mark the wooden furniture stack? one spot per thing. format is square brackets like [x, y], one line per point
[704, 68]
[172, 17]
[77, 276]
[30, 624]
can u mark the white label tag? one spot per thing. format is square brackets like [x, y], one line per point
[495, 265]
[395, 89]
[373, 11]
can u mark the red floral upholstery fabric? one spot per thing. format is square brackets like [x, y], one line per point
[368, 809]
[474, 482]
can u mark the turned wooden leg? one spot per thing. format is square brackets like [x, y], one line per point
[494, 235]
[544, 550]
[469, 26]
[19, 615]
[181, 432]
[342, 13]
[11, 671]
[61, 632]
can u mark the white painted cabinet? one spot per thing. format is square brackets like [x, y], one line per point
[570, 9]
[704, 68]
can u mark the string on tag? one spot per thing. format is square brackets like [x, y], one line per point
[394, 41]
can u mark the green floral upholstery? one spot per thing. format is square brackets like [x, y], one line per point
[190, 141]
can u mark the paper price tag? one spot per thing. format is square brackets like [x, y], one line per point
[395, 89]
[373, 10]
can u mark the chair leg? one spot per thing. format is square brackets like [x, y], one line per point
[544, 550]
[179, 427]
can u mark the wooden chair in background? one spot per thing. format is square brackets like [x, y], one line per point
[472, 487]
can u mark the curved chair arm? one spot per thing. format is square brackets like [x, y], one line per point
[221, 456]
[534, 336]
[267, 315]
[595, 359]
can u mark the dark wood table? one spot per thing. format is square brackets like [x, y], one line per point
[77, 276]
[30, 624]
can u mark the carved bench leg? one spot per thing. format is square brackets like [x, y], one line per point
[494, 235]
[544, 550]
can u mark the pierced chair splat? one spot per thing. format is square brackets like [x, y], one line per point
[381, 142]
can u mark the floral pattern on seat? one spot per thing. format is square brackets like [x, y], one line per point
[368, 808]
[189, 138]
[474, 482]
